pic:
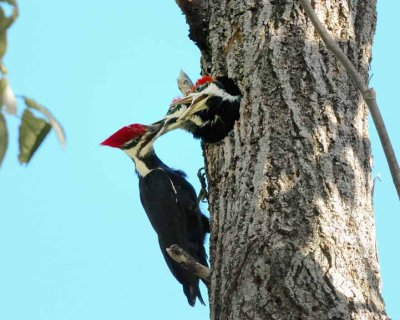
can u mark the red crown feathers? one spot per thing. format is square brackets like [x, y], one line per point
[125, 134]
[201, 81]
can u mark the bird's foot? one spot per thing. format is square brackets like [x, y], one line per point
[203, 194]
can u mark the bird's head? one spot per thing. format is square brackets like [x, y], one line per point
[203, 84]
[182, 108]
[196, 100]
[132, 136]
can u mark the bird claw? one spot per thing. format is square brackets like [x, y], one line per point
[203, 194]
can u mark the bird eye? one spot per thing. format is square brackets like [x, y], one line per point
[202, 87]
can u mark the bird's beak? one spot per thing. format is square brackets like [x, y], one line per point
[190, 99]
[155, 127]
[197, 103]
[153, 131]
[172, 120]
[186, 100]
[162, 126]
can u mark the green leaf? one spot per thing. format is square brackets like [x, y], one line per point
[53, 121]
[3, 137]
[32, 132]
[3, 33]
[3, 87]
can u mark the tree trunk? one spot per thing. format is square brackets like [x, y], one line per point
[290, 196]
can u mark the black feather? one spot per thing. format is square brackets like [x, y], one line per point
[170, 202]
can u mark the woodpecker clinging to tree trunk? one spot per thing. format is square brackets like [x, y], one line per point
[169, 200]
[209, 112]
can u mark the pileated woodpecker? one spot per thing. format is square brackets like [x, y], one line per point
[169, 200]
[209, 112]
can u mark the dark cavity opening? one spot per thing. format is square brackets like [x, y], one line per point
[229, 86]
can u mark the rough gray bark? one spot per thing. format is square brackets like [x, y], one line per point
[292, 225]
[368, 94]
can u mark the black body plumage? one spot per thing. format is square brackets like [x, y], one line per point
[171, 205]
[216, 121]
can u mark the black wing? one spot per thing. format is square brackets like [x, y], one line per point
[173, 217]
[197, 224]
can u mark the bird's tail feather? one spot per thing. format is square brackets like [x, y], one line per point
[192, 292]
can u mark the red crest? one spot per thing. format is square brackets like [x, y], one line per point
[125, 134]
[201, 81]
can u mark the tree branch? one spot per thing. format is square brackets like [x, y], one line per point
[368, 94]
[188, 262]
[196, 12]
[184, 83]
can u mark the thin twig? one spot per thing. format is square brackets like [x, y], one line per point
[368, 94]
[188, 262]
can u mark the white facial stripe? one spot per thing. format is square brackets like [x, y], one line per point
[146, 149]
[135, 153]
[132, 152]
[214, 90]
[141, 167]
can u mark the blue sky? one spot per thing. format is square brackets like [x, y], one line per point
[74, 240]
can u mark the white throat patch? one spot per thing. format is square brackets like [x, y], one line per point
[133, 153]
